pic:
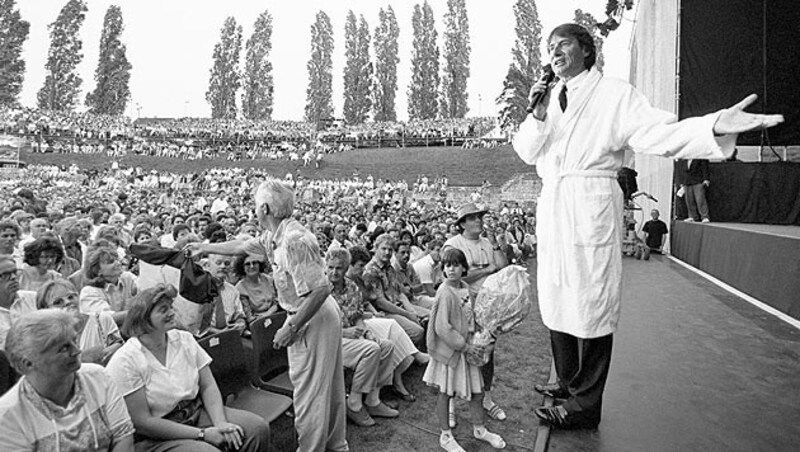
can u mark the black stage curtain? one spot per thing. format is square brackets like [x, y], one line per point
[723, 46]
[766, 193]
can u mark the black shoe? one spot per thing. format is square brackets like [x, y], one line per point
[553, 390]
[558, 417]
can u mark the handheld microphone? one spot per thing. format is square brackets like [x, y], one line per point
[547, 76]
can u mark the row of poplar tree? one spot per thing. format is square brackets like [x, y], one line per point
[62, 83]
[370, 85]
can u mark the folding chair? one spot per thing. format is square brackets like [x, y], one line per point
[272, 366]
[8, 376]
[231, 371]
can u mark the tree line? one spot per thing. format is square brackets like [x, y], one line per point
[370, 84]
[438, 87]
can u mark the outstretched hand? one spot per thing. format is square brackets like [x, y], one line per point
[736, 120]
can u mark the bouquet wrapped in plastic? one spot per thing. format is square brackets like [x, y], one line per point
[502, 303]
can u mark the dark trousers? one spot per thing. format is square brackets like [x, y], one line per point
[582, 369]
[695, 196]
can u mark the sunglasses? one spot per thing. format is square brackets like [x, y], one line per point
[251, 263]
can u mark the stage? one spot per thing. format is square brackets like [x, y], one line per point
[760, 260]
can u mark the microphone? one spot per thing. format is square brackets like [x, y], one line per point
[548, 76]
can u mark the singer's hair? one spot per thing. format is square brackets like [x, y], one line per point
[583, 37]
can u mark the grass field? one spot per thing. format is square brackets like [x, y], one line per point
[522, 358]
[463, 167]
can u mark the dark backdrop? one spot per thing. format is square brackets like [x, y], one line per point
[723, 44]
[767, 193]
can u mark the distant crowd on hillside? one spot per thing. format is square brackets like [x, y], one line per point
[199, 138]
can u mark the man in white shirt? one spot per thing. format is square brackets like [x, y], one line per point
[228, 311]
[428, 268]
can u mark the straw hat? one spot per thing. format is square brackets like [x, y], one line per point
[468, 209]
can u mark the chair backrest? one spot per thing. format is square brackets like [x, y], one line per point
[229, 362]
[270, 361]
[8, 376]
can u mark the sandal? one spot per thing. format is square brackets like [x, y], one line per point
[407, 396]
[492, 438]
[553, 415]
[495, 412]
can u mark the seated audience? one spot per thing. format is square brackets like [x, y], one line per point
[256, 288]
[98, 334]
[367, 355]
[171, 395]
[107, 286]
[384, 291]
[59, 404]
[42, 256]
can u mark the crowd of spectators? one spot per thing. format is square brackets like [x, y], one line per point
[203, 138]
[65, 246]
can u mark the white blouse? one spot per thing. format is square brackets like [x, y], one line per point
[133, 367]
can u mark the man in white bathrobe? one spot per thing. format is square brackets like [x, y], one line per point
[577, 143]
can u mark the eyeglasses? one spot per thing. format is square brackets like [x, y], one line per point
[251, 263]
[9, 275]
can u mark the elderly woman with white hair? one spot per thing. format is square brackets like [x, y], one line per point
[59, 404]
[313, 330]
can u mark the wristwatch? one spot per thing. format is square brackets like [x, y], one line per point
[201, 436]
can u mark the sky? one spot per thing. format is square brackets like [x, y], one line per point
[170, 45]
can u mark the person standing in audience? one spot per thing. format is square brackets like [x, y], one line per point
[485, 257]
[59, 404]
[171, 395]
[313, 330]
[450, 370]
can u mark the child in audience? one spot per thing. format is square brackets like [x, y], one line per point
[450, 324]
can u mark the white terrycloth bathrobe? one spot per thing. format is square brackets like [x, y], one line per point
[579, 213]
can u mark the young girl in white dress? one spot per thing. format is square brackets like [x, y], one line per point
[449, 327]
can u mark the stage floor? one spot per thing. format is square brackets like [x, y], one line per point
[694, 368]
[770, 229]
